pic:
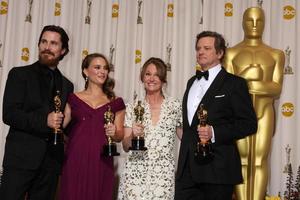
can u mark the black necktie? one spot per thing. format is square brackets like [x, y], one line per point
[52, 83]
[55, 82]
[200, 74]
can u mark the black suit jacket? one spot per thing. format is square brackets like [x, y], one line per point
[231, 113]
[26, 103]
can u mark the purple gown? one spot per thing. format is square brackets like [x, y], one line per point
[87, 174]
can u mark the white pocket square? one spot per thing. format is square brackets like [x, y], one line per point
[220, 96]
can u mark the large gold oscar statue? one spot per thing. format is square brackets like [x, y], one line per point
[262, 67]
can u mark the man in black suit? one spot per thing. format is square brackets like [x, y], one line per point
[230, 116]
[31, 163]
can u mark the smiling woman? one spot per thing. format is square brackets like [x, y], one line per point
[87, 172]
[161, 122]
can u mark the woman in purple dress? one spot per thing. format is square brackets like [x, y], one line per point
[87, 173]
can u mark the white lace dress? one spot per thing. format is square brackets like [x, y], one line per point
[150, 175]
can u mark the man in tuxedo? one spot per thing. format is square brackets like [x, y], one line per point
[230, 116]
[31, 163]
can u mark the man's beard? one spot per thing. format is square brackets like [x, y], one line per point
[46, 60]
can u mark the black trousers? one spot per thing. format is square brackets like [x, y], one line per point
[40, 184]
[187, 189]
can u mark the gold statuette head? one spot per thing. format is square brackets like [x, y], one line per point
[57, 102]
[109, 116]
[139, 112]
[202, 115]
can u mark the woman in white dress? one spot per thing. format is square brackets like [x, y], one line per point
[150, 174]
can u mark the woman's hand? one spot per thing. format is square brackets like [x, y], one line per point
[137, 129]
[110, 129]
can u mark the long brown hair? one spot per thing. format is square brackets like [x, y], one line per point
[109, 83]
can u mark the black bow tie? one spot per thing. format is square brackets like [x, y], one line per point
[200, 74]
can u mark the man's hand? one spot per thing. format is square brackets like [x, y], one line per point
[54, 120]
[205, 133]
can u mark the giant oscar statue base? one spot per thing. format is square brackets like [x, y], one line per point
[262, 67]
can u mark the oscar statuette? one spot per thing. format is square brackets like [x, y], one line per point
[203, 153]
[110, 149]
[58, 133]
[138, 142]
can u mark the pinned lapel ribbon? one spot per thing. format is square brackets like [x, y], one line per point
[200, 74]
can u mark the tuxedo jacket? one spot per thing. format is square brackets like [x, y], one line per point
[230, 112]
[27, 102]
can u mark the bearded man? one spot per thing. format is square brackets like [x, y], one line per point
[32, 162]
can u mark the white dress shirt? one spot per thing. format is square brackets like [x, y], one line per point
[198, 90]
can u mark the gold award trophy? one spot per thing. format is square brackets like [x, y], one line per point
[138, 142]
[58, 133]
[203, 153]
[110, 149]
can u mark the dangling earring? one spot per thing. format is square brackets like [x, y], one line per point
[86, 82]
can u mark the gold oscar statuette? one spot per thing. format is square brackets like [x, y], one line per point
[203, 153]
[138, 142]
[58, 133]
[110, 149]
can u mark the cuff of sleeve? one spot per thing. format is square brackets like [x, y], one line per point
[213, 139]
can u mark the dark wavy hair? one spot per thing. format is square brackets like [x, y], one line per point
[109, 83]
[63, 37]
[219, 44]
